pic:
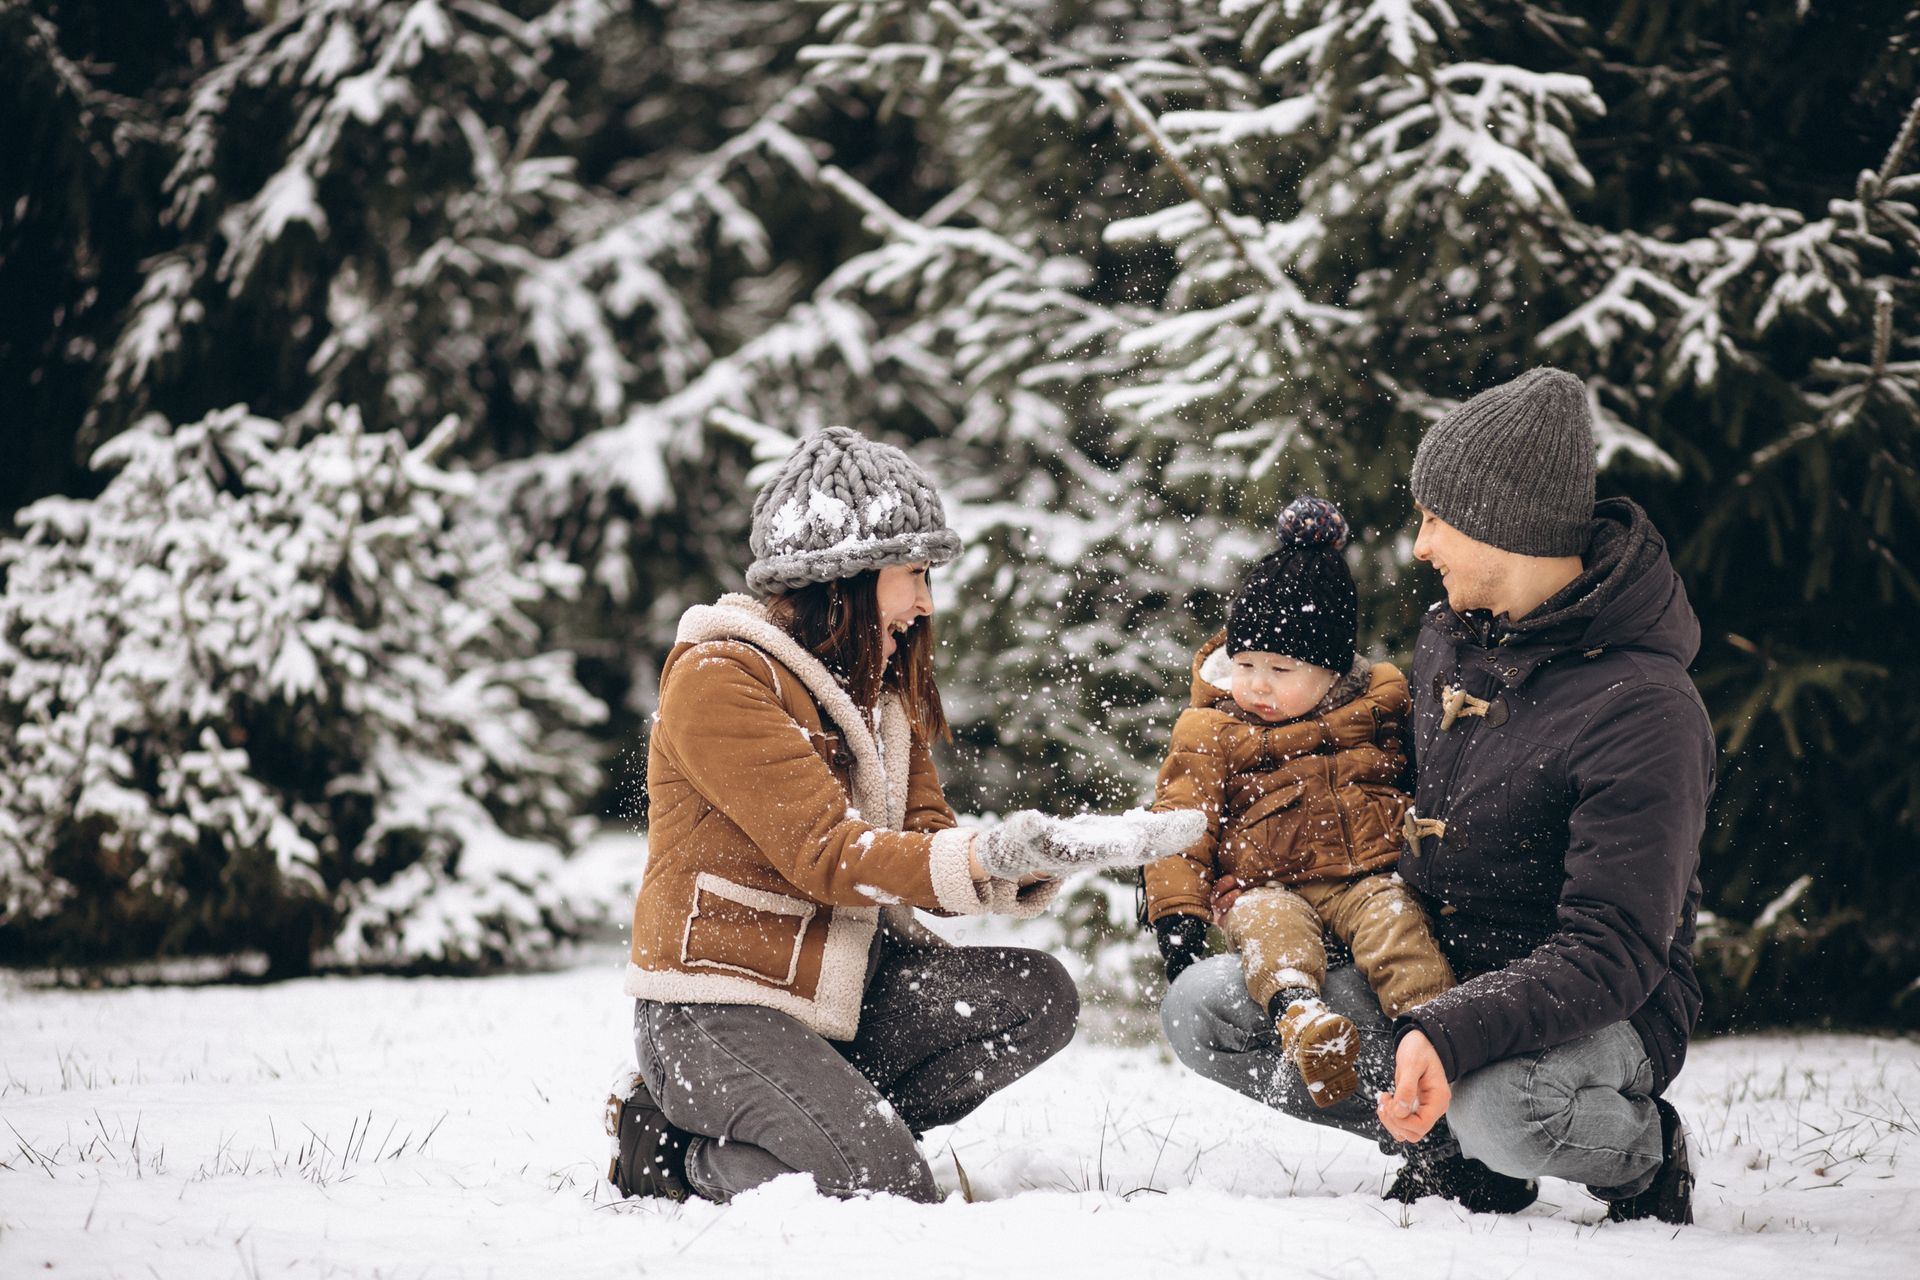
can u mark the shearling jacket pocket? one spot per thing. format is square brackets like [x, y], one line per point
[744, 930]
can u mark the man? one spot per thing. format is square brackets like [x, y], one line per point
[1563, 764]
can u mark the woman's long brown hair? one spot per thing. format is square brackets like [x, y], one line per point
[839, 623]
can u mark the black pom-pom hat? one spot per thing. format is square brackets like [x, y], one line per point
[1299, 600]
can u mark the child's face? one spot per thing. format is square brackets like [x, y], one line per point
[1276, 687]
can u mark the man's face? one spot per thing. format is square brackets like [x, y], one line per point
[1472, 573]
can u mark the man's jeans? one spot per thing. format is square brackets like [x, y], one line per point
[1582, 1110]
[940, 1031]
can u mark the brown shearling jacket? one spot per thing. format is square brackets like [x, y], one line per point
[783, 821]
[1315, 798]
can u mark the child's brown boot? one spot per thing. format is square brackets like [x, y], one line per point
[1324, 1046]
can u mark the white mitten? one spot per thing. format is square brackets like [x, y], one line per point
[1033, 843]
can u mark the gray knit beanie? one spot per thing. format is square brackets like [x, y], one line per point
[1513, 467]
[842, 504]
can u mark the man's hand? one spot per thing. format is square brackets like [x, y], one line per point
[1420, 1094]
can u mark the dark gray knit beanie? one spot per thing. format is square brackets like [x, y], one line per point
[1513, 467]
[842, 504]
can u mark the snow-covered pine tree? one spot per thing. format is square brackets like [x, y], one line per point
[1218, 253]
[1757, 312]
[535, 218]
[353, 193]
[266, 692]
[1196, 255]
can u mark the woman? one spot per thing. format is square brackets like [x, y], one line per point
[790, 1014]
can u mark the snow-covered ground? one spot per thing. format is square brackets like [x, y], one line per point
[440, 1127]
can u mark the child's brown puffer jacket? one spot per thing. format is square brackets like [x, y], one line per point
[1316, 798]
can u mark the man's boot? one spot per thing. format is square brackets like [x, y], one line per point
[649, 1156]
[1670, 1196]
[1324, 1047]
[1476, 1188]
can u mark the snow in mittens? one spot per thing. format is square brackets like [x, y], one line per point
[1137, 833]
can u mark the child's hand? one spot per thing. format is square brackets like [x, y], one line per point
[1226, 891]
[1182, 940]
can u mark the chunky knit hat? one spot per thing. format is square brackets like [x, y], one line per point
[1513, 467]
[842, 504]
[1299, 599]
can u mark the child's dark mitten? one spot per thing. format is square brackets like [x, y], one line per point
[1182, 939]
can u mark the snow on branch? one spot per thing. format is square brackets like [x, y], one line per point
[634, 456]
[1252, 255]
[256, 675]
[1218, 130]
[1055, 96]
[1512, 128]
[1401, 26]
[1343, 29]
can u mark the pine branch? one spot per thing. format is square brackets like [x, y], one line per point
[1872, 191]
[1882, 339]
[1059, 96]
[887, 223]
[1897, 153]
[1840, 415]
[1848, 405]
[1123, 101]
[537, 123]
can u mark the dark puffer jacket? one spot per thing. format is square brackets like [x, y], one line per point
[1573, 785]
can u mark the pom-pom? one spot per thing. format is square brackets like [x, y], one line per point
[1312, 522]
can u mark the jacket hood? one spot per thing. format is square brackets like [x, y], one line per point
[1628, 597]
[880, 743]
[1212, 673]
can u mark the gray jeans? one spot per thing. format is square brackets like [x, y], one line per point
[940, 1031]
[1216, 1029]
[1582, 1110]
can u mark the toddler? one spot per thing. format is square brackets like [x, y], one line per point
[1293, 749]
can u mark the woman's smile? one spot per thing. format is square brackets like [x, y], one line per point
[903, 599]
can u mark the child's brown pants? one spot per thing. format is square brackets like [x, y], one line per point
[1277, 931]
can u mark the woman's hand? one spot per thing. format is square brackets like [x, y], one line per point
[1030, 842]
[1226, 891]
[980, 874]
